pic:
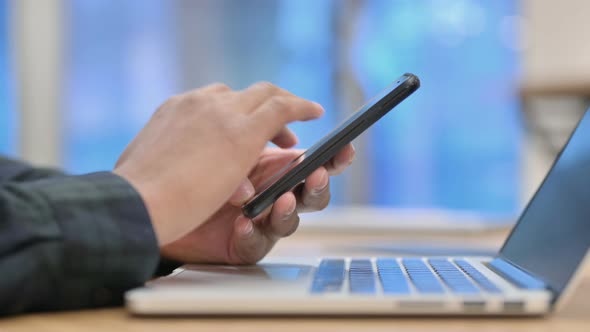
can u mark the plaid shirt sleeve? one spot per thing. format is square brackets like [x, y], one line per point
[16, 171]
[70, 241]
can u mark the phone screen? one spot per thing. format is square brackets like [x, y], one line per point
[297, 170]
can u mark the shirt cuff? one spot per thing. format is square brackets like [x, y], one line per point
[109, 242]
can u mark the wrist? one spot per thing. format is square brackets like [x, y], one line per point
[151, 204]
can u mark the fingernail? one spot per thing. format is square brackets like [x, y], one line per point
[319, 106]
[353, 155]
[290, 211]
[324, 182]
[247, 190]
[248, 228]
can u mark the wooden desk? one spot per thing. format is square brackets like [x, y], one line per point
[575, 317]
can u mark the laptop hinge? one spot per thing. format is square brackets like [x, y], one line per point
[516, 275]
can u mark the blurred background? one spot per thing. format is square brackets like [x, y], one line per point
[503, 83]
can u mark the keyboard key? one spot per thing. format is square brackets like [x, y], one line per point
[477, 276]
[361, 277]
[392, 277]
[452, 276]
[329, 276]
[422, 278]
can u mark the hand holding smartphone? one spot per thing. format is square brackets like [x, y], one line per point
[301, 167]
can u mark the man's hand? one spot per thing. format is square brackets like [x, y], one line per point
[199, 147]
[229, 237]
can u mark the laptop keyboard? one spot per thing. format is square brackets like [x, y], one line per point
[391, 277]
[361, 277]
[479, 278]
[329, 276]
[432, 276]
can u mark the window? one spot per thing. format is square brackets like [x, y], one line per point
[454, 144]
[121, 66]
[7, 112]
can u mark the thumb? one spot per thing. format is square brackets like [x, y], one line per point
[244, 192]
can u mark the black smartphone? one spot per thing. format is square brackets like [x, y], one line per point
[320, 153]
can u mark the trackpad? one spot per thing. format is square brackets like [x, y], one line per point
[217, 274]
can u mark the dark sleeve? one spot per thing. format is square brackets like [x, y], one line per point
[71, 241]
[17, 171]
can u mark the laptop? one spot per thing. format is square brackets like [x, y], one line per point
[535, 271]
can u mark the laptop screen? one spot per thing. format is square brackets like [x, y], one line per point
[553, 233]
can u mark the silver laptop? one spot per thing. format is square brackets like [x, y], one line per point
[532, 274]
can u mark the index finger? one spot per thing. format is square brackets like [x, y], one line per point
[276, 112]
[257, 93]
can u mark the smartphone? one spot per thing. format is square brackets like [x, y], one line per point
[320, 153]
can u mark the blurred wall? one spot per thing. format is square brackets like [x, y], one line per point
[556, 43]
[556, 80]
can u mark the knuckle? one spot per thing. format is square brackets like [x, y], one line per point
[169, 103]
[294, 226]
[199, 101]
[265, 86]
[191, 99]
[173, 100]
[219, 86]
[279, 103]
